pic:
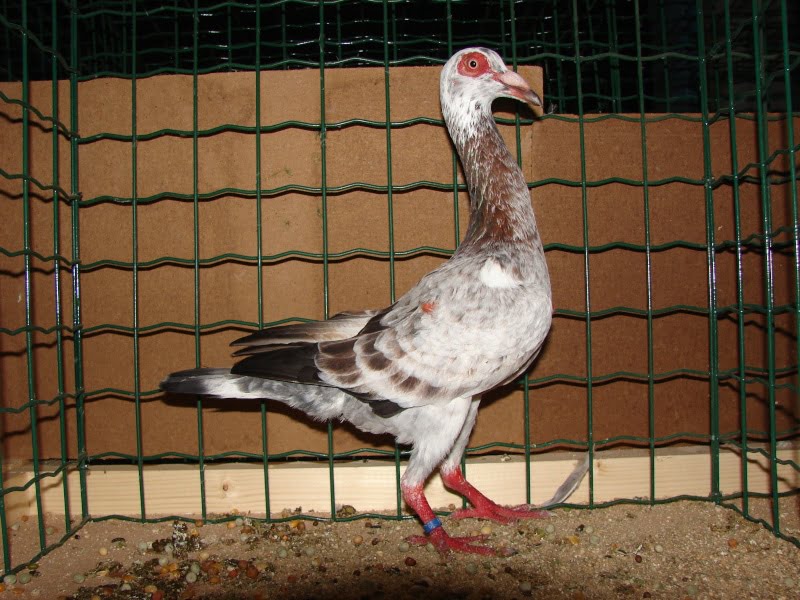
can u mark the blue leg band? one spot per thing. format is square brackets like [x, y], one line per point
[431, 525]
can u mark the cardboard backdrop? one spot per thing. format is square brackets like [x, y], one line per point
[163, 167]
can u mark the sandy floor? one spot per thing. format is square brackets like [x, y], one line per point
[681, 550]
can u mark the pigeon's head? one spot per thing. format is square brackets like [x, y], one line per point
[472, 79]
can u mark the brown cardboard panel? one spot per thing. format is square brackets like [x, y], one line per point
[438, 209]
[293, 286]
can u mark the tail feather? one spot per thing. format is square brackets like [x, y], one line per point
[219, 383]
[318, 401]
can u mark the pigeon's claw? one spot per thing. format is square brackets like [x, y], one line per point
[500, 514]
[482, 507]
[444, 543]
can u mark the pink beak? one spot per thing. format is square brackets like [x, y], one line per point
[518, 88]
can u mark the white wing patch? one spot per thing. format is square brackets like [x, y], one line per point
[495, 276]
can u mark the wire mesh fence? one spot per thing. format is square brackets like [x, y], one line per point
[724, 71]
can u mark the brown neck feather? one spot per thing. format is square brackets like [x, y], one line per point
[500, 207]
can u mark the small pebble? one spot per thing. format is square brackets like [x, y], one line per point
[191, 577]
[309, 550]
[243, 537]
[430, 547]
[15, 527]
[282, 552]
[142, 546]
[471, 568]
[594, 540]
[204, 555]
[549, 529]
[24, 578]
[150, 588]
[732, 543]
[525, 587]
[169, 548]
[195, 568]
[358, 540]
[239, 521]
[50, 530]
[403, 546]
[637, 558]
[103, 551]
[588, 529]
[486, 530]
[410, 562]
[691, 589]
[79, 578]
[10, 579]
[658, 548]
[162, 561]
[231, 524]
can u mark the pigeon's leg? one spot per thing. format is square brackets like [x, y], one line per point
[482, 507]
[434, 438]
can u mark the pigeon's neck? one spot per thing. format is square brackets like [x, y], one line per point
[500, 204]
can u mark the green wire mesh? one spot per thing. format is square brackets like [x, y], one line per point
[701, 62]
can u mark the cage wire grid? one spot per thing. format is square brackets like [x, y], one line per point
[611, 59]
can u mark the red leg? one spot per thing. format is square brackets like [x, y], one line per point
[482, 507]
[437, 536]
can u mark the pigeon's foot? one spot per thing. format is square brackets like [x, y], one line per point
[501, 514]
[482, 507]
[444, 543]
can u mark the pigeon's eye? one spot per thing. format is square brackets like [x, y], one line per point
[473, 64]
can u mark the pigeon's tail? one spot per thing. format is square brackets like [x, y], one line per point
[319, 402]
[218, 383]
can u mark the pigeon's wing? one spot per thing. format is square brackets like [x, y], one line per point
[340, 326]
[449, 336]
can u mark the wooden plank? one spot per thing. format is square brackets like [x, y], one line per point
[370, 485]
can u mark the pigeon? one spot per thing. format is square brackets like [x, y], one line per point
[417, 369]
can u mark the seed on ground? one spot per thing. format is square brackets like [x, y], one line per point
[79, 578]
[486, 530]
[403, 546]
[24, 578]
[410, 562]
[191, 577]
[103, 551]
[358, 540]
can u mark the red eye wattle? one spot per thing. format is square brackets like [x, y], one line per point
[473, 64]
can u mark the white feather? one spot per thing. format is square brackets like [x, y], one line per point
[495, 276]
